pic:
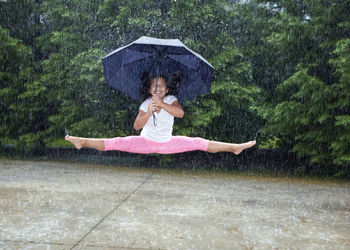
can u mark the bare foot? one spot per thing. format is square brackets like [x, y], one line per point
[240, 147]
[76, 141]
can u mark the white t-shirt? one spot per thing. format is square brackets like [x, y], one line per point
[163, 131]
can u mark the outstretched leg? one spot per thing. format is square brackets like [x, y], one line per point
[80, 142]
[179, 144]
[215, 146]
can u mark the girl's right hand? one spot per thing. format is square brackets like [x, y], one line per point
[151, 107]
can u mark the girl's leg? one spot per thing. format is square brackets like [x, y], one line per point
[215, 146]
[80, 142]
[131, 144]
[179, 144]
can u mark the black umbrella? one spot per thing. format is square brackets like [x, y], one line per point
[124, 67]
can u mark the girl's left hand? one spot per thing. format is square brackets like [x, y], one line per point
[157, 100]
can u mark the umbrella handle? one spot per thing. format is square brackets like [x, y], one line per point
[155, 91]
[154, 119]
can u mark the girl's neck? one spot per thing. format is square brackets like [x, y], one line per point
[161, 98]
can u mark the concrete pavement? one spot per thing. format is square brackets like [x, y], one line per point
[52, 205]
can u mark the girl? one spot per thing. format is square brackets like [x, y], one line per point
[156, 135]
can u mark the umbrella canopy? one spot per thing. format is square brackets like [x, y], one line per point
[123, 67]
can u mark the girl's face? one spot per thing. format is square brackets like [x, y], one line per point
[162, 88]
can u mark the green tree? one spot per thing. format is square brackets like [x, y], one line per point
[22, 20]
[302, 110]
[15, 73]
[340, 146]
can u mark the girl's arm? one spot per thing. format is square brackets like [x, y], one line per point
[143, 116]
[141, 119]
[174, 109]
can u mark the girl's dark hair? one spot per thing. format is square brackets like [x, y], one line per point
[172, 80]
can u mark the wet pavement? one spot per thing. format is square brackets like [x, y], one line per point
[50, 205]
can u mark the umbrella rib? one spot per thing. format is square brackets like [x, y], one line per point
[195, 70]
[136, 60]
[166, 47]
[158, 59]
[115, 72]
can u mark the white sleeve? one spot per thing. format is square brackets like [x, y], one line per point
[144, 105]
[172, 99]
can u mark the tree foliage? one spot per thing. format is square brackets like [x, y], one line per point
[308, 110]
[280, 65]
[15, 73]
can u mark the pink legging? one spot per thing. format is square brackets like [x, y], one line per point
[141, 145]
